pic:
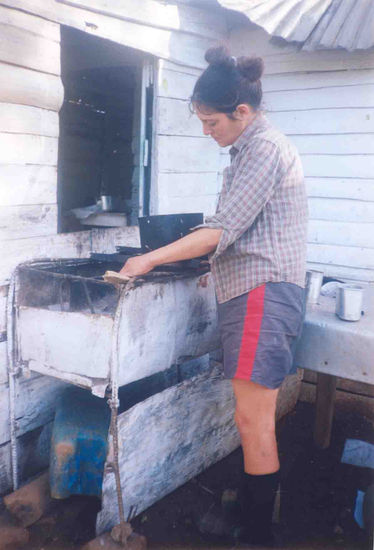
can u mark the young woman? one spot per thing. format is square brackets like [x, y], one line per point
[256, 242]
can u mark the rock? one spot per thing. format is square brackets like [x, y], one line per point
[105, 542]
[12, 537]
[29, 502]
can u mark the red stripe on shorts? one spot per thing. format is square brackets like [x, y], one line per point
[251, 332]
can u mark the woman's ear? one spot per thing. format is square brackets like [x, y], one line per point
[243, 111]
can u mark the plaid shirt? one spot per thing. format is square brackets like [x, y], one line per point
[263, 213]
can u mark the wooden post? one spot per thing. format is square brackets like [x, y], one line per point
[326, 386]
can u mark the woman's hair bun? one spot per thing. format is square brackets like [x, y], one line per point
[250, 68]
[219, 55]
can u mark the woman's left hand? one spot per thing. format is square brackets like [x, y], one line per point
[138, 265]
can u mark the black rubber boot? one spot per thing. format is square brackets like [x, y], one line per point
[257, 497]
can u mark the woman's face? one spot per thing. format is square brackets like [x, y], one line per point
[221, 128]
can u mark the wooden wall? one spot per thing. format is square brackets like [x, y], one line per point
[324, 102]
[31, 95]
[187, 178]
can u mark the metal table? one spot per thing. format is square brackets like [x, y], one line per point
[335, 349]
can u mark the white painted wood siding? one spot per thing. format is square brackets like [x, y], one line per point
[324, 101]
[187, 177]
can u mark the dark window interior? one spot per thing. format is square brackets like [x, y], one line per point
[99, 121]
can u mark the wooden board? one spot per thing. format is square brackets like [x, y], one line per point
[35, 404]
[311, 80]
[334, 144]
[106, 240]
[320, 98]
[187, 154]
[341, 233]
[187, 185]
[71, 245]
[348, 256]
[175, 119]
[181, 431]
[152, 13]
[82, 347]
[25, 185]
[182, 48]
[202, 203]
[341, 272]
[28, 49]
[28, 149]
[30, 23]
[3, 363]
[324, 121]
[33, 451]
[344, 210]
[361, 189]
[22, 119]
[338, 166]
[173, 84]
[18, 222]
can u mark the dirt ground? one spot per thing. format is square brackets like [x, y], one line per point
[317, 498]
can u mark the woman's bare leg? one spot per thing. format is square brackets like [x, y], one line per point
[255, 419]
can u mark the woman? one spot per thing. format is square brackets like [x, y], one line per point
[256, 242]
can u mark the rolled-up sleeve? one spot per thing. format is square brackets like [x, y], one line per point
[253, 184]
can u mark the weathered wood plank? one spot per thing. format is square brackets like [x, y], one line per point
[180, 18]
[325, 403]
[341, 233]
[18, 222]
[338, 166]
[76, 332]
[28, 49]
[309, 81]
[22, 119]
[173, 84]
[27, 22]
[342, 272]
[360, 189]
[202, 203]
[359, 388]
[3, 363]
[175, 119]
[3, 301]
[165, 64]
[21, 185]
[288, 59]
[348, 256]
[187, 154]
[106, 240]
[321, 98]
[33, 452]
[35, 404]
[28, 149]
[181, 431]
[72, 245]
[178, 47]
[325, 121]
[187, 185]
[29, 87]
[335, 144]
[343, 210]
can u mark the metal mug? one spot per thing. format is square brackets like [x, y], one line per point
[107, 203]
[313, 285]
[349, 299]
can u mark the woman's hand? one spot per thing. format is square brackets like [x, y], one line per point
[138, 265]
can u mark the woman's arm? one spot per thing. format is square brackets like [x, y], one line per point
[200, 242]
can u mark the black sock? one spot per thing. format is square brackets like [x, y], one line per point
[257, 497]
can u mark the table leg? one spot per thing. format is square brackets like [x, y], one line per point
[326, 386]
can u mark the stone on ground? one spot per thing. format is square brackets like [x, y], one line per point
[29, 503]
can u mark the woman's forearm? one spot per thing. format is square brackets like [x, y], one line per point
[200, 242]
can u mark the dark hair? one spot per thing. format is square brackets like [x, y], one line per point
[227, 82]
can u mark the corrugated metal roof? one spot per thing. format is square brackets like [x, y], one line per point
[318, 24]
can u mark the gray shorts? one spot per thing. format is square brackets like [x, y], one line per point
[259, 331]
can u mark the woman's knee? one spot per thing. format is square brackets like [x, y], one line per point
[248, 422]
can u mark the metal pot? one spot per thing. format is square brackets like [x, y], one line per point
[349, 300]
